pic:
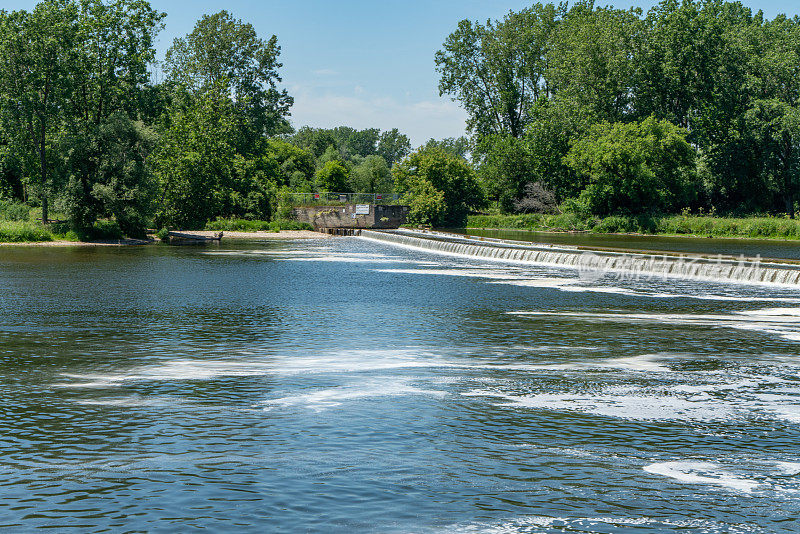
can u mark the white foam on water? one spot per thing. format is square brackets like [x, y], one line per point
[334, 258]
[643, 362]
[323, 399]
[774, 312]
[350, 361]
[493, 274]
[702, 473]
[788, 468]
[636, 406]
[175, 370]
[535, 524]
[573, 285]
[786, 326]
[790, 413]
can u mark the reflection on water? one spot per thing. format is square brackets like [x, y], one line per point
[347, 385]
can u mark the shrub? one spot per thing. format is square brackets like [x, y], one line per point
[14, 211]
[20, 232]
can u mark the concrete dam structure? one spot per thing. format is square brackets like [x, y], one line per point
[595, 263]
[352, 216]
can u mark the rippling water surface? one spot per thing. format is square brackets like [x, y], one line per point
[345, 385]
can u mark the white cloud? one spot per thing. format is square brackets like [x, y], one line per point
[420, 120]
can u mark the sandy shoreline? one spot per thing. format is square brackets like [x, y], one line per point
[283, 235]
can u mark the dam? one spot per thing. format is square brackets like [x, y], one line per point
[595, 263]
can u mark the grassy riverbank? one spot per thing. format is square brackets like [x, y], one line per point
[687, 225]
[245, 225]
[23, 231]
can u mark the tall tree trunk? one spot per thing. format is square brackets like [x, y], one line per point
[787, 176]
[43, 178]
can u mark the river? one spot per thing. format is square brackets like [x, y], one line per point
[347, 385]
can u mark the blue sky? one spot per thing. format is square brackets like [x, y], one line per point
[364, 63]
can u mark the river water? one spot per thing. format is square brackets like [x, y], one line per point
[346, 385]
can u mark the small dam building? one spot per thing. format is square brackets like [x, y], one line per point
[347, 219]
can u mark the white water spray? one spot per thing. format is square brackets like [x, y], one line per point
[593, 264]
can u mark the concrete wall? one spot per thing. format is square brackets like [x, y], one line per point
[346, 216]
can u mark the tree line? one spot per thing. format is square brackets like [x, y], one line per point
[87, 134]
[691, 105]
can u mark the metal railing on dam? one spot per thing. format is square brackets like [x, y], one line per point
[596, 263]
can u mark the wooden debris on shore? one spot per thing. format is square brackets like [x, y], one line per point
[183, 238]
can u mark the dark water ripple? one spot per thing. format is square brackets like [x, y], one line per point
[340, 386]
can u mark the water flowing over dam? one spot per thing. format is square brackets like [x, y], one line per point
[592, 263]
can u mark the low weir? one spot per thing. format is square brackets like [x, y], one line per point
[595, 263]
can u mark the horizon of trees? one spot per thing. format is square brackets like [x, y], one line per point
[87, 134]
[694, 104]
[552, 86]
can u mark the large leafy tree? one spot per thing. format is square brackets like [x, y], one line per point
[634, 167]
[110, 82]
[371, 175]
[589, 59]
[393, 146]
[224, 52]
[774, 114]
[122, 184]
[431, 170]
[499, 69]
[37, 55]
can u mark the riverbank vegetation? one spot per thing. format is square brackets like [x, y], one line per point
[89, 140]
[687, 225]
[579, 118]
[581, 113]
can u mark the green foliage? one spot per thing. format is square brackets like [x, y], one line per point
[225, 55]
[393, 146]
[430, 171]
[426, 204]
[371, 175]
[14, 211]
[22, 231]
[243, 225]
[457, 146]
[689, 225]
[108, 175]
[497, 71]
[296, 164]
[332, 177]
[634, 167]
[201, 173]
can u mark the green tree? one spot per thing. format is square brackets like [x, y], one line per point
[393, 146]
[426, 204]
[498, 71]
[201, 175]
[773, 116]
[634, 167]
[457, 146]
[224, 52]
[316, 140]
[454, 177]
[332, 177]
[297, 165]
[36, 56]
[371, 175]
[122, 184]
[590, 59]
